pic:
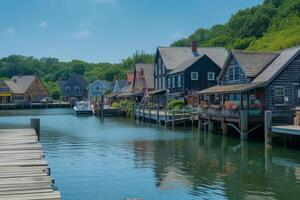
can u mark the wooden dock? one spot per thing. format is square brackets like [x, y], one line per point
[24, 173]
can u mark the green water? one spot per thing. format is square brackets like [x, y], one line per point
[120, 158]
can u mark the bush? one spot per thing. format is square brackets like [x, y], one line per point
[176, 104]
[126, 106]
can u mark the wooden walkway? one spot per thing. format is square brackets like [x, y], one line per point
[287, 129]
[24, 173]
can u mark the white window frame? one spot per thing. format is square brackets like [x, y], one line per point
[277, 96]
[196, 78]
[179, 81]
[209, 78]
[173, 82]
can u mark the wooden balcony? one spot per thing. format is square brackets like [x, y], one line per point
[230, 116]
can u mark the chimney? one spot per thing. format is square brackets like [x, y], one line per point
[194, 46]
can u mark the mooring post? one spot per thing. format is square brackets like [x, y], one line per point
[166, 118]
[143, 113]
[244, 124]
[268, 127]
[173, 118]
[149, 114]
[35, 124]
[157, 115]
[184, 117]
[199, 122]
[210, 125]
[224, 128]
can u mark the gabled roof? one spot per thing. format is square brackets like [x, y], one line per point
[20, 84]
[74, 79]
[284, 58]
[104, 83]
[253, 62]
[183, 66]
[148, 73]
[174, 56]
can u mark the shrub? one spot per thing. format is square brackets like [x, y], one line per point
[176, 104]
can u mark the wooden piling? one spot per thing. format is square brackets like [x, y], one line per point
[173, 118]
[166, 118]
[244, 124]
[268, 127]
[224, 128]
[149, 115]
[157, 115]
[210, 125]
[35, 124]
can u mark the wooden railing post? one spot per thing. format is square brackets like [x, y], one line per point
[35, 124]
[244, 124]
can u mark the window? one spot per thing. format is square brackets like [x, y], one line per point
[231, 73]
[158, 83]
[211, 76]
[173, 82]
[279, 95]
[194, 76]
[179, 81]
[234, 73]
[77, 89]
[67, 90]
[169, 82]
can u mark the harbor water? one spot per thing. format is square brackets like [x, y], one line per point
[118, 158]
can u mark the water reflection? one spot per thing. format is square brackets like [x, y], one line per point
[122, 158]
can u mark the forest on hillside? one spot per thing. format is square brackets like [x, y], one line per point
[271, 26]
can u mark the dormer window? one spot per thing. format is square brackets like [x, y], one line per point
[211, 76]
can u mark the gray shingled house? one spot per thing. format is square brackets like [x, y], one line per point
[74, 87]
[255, 82]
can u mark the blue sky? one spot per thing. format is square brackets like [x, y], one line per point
[104, 30]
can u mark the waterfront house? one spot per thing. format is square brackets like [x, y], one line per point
[25, 89]
[74, 87]
[5, 93]
[252, 82]
[98, 88]
[178, 59]
[143, 81]
[119, 85]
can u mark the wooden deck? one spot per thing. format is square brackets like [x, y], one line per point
[287, 129]
[24, 173]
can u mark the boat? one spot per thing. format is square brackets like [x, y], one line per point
[83, 107]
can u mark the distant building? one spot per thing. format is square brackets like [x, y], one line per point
[74, 87]
[98, 88]
[143, 77]
[119, 85]
[129, 78]
[24, 89]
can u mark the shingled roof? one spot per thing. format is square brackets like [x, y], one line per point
[174, 56]
[148, 73]
[20, 84]
[285, 57]
[183, 66]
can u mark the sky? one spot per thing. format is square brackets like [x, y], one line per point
[104, 30]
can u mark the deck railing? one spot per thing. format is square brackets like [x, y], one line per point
[228, 113]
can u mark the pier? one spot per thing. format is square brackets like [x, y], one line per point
[24, 173]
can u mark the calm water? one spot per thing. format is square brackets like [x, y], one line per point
[119, 158]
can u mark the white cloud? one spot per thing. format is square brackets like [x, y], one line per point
[178, 35]
[104, 1]
[81, 34]
[10, 31]
[43, 24]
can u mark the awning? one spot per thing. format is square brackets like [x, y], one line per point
[237, 88]
[154, 92]
[5, 94]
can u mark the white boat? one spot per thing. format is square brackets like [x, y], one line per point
[83, 107]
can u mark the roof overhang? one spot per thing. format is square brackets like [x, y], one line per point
[237, 88]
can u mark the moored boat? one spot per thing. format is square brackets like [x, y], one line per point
[83, 107]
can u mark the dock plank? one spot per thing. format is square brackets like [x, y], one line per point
[24, 173]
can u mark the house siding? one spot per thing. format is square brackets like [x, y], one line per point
[160, 73]
[288, 77]
[202, 67]
[242, 78]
